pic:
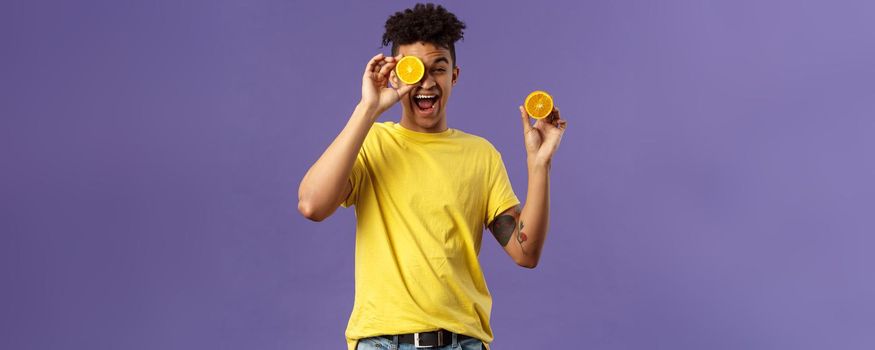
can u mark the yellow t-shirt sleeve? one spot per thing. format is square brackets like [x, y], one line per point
[500, 196]
[355, 178]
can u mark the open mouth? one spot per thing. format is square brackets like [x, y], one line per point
[425, 102]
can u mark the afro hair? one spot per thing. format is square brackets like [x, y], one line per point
[428, 23]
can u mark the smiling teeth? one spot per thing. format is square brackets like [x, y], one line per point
[425, 96]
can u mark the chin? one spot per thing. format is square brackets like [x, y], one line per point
[423, 120]
[427, 120]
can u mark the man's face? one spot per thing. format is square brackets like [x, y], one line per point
[424, 109]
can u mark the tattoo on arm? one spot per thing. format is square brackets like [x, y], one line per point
[521, 237]
[502, 228]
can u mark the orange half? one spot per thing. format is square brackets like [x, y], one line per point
[539, 104]
[410, 70]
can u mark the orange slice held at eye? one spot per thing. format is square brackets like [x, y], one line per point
[410, 70]
[539, 104]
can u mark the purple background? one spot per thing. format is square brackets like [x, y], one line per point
[714, 189]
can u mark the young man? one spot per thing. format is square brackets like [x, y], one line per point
[423, 193]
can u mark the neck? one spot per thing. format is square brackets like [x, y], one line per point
[408, 123]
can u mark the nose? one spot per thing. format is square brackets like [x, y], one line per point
[427, 82]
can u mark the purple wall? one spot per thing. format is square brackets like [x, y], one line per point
[714, 189]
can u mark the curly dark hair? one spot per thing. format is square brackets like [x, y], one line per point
[424, 22]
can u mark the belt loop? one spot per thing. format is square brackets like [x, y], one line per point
[455, 340]
[395, 344]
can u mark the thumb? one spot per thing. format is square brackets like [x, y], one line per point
[527, 123]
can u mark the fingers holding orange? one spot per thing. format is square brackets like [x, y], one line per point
[553, 116]
[373, 63]
[386, 66]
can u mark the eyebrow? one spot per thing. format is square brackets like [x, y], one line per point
[442, 58]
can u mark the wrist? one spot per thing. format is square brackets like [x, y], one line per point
[368, 110]
[536, 163]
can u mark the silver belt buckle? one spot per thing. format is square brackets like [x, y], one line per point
[416, 341]
[440, 341]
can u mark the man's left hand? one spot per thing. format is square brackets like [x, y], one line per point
[542, 139]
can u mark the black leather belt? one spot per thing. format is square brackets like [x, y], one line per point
[428, 339]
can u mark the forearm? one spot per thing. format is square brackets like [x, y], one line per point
[535, 216]
[323, 184]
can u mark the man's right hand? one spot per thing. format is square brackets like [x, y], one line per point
[377, 94]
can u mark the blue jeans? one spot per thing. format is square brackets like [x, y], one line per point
[380, 343]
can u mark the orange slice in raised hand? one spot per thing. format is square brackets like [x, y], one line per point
[539, 104]
[410, 70]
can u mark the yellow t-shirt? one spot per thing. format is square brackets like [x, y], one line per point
[421, 203]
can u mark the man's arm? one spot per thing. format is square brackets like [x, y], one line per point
[522, 232]
[326, 185]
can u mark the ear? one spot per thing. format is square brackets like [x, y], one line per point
[456, 71]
